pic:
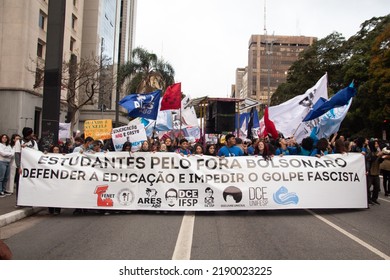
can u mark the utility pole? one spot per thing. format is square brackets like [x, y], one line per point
[53, 73]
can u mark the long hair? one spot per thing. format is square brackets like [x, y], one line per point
[2, 135]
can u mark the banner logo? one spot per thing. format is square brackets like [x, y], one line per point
[151, 199]
[209, 199]
[104, 199]
[283, 197]
[258, 196]
[125, 197]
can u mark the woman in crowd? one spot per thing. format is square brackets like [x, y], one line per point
[145, 146]
[55, 149]
[6, 155]
[169, 144]
[262, 150]
[14, 175]
[198, 149]
[126, 147]
[211, 150]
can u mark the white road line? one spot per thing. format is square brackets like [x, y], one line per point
[382, 199]
[184, 239]
[353, 237]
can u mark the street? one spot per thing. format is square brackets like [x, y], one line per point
[316, 234]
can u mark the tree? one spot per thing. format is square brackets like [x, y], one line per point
[367, 66]
[145, 73]
[85, 81]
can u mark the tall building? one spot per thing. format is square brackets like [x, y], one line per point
[269, 58]
[92, 29]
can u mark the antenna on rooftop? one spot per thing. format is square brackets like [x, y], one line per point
[265, 17]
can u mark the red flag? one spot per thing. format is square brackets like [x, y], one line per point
[171, 99]
[269, 125]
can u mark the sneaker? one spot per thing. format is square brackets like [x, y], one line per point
[376, 202]
[2, 194]
[8, 193]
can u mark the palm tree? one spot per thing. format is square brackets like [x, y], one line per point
[145, 73]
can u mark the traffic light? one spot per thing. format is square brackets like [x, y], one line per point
[68, 117]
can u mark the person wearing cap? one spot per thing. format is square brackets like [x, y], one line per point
[230, 149]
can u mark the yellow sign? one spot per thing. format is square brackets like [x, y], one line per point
[98, 129]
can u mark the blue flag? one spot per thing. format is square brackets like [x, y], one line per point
[142, 105]
[316, 106]
[341, 98]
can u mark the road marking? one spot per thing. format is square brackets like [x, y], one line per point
[353, 237]
[184, 239]
[382, 199]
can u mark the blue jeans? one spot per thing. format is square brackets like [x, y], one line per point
[4, 174]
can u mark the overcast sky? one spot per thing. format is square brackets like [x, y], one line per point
[206, 40]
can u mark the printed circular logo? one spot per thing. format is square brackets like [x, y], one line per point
[125, 197]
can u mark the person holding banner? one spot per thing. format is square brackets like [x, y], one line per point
[85, 145]
[183, 147]
[230, 149]
[55, 149]
[169, 144]
[211, 150]
[285, 147]
[145, 147]
[26, 142]
[126, 147]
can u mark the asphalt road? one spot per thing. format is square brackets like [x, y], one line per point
[344, 234]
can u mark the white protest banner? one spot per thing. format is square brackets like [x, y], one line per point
[64, 130]
[169, 181]
[133, 133]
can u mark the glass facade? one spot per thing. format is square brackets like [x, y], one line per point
[107, 30]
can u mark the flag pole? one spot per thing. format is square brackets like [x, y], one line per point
[180, 118]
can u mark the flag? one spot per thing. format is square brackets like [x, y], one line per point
[172, 98]
[269, 125]
[142, 105]
[288, 116]
[330, 122]
[188, 116]
[251, 122]
[317, 105]
[341, 98]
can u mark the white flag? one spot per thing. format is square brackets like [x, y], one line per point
[288, 116]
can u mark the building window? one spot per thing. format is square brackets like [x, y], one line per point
[42, 19]
[40, 49]
[74, 21]
[72, 44]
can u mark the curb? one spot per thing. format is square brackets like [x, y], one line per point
[17, 215]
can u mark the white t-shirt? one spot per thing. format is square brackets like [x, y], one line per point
[31, 144]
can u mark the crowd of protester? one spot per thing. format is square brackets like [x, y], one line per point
[376, 153]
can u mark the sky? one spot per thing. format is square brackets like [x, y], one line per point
[207, 40]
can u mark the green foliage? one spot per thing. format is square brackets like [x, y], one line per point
[145, 72]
